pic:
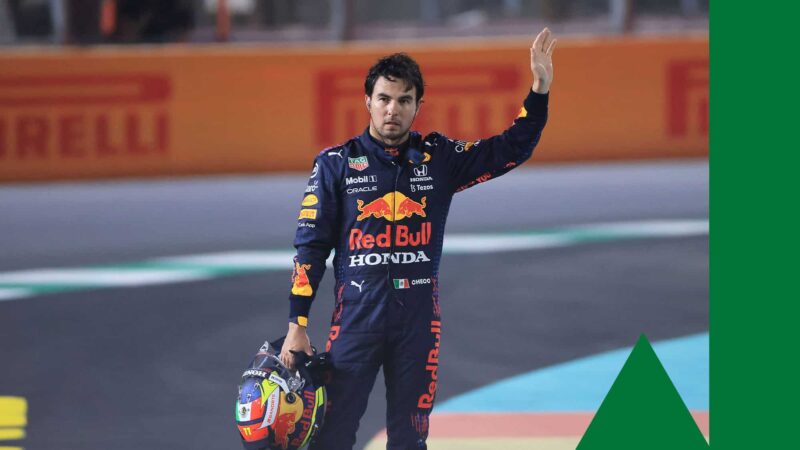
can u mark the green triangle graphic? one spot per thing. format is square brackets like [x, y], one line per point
[643, 410]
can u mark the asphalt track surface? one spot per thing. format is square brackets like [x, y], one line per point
[157, 366]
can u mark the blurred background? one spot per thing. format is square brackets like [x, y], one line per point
[153, 155]
[200, 21]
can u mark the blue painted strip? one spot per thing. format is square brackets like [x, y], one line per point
[581, 385]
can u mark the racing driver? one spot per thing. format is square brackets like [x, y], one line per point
[381, 201]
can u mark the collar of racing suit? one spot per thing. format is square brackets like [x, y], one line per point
[408, 150]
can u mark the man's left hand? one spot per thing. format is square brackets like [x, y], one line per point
[542, 62]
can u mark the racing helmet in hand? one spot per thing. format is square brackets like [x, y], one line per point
[278, 409]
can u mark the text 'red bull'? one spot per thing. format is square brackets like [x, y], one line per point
[425, 400]
[305, 422]
[403, 237]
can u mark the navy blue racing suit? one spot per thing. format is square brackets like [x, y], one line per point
[384, 212]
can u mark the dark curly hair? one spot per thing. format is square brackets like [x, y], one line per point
[398, 66]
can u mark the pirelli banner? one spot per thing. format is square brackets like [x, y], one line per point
[162, 111]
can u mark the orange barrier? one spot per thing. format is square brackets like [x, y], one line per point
[97, 113]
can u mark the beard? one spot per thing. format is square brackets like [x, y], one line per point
[394, 134]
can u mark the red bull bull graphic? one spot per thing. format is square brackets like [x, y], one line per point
[285, 424]
[392, 207]
[300, 283]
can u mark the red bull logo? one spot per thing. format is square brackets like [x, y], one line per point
[404, 237]
[425, 400]
[300, 283]
[284, 426]
[392, 206]
[308, 414]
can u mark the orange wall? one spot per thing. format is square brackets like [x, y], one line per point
[186, 110]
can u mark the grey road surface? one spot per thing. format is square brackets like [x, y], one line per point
[157, 367]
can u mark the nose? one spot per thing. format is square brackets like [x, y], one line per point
[391, 108]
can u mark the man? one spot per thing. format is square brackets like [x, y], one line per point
[381, 200]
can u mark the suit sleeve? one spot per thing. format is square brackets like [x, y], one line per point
[317, 228]
[475, 162]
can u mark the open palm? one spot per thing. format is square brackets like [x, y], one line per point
[542, 61]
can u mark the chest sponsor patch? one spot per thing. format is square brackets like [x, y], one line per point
[358, 164]
[375, 259]
[361, 179]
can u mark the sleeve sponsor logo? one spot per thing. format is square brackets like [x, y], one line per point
[300, 283]
[308, 214]
[310, 200]
[314, 170]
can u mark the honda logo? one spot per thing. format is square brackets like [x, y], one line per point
[421, 171]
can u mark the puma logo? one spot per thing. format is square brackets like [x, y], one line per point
[353, 283]
[339, 154]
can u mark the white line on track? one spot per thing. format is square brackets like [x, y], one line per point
[110, 277]
[243, 260]
[10, 294]
[176, 269]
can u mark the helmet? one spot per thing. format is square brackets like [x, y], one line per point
[277, 409]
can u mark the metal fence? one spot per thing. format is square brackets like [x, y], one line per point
[157, 21]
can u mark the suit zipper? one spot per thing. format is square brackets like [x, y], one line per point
[392, 237]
